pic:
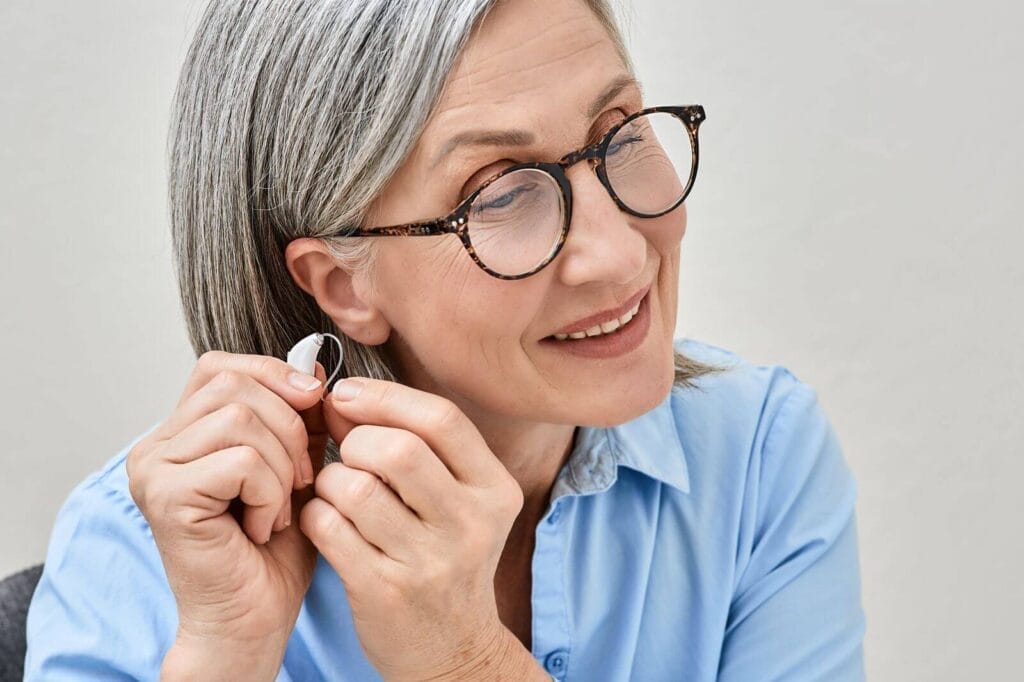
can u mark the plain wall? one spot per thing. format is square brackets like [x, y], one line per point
[856, 218]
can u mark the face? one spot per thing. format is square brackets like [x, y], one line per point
[487, 343]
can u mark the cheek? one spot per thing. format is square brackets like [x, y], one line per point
[666, 232]
[431, 290]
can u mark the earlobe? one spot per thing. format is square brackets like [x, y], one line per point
[340, 293]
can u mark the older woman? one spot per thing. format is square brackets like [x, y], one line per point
[523, 476]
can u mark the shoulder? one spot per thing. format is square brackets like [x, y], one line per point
[756, 430]
[768, 473]
[745, 396]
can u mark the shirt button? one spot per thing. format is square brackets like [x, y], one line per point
[555, 514]
[556, 662]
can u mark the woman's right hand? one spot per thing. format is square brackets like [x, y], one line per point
[239, 568]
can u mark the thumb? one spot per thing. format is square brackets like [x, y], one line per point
[337, 425]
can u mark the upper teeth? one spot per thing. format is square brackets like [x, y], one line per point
[603, 328]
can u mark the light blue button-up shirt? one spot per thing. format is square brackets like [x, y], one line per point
[712, 538]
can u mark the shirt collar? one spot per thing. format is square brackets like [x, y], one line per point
[649, 444]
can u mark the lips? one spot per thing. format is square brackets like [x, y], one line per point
[585, 323]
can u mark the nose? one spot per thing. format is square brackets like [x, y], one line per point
[601, 245]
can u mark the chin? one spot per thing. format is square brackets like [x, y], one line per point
[627, 400]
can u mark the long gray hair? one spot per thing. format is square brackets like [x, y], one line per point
[289, 118]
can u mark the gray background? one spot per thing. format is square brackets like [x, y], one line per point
[856, 220]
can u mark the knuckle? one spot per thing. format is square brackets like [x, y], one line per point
[160, 499]
[265, 365]
[318, 520]
[513, 500]
[249, 457]
[405, 445]
[328, 478]
[131, 461]
[449, 416]
[362, 486]
[362, 438]
[238, 415]
[136, 478]
[403, 458]
[227, 381]
[209, 358]
[384, 393]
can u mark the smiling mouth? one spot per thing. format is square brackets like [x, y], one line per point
[609, 327]
[605, 327]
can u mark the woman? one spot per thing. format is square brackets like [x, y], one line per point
[529, 478]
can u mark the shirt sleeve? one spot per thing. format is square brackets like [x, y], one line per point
[103, 608]
[796, 609]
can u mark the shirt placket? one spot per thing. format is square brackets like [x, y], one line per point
[590, 470]
[551, 638]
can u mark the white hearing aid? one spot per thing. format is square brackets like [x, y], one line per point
[303, 354]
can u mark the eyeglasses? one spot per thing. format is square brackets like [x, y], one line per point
[516, 221]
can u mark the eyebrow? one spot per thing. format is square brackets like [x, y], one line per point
[517, 137]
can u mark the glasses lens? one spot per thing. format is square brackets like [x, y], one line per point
[648, 162]
[516, 221]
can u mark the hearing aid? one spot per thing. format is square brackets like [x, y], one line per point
[302, 355]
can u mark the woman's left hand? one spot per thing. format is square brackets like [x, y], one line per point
[414, 522]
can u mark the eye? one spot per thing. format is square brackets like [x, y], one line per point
[482, 176]
[505, 196]
[619, 145]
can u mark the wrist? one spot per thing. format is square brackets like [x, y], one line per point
[505, 658]
[206, 658]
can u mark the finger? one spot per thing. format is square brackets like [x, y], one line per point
[241, 472]
[231, 425]
[230, 387]
[338, 425]
[438, 421]
[270, 371]
[376, 511]
[357, 562]
[404, 462]
[316, 433]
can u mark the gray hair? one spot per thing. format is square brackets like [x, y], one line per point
[289, 118]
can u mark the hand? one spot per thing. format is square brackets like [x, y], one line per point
[414, 520]
[240, 433]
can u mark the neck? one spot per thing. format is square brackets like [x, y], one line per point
[533, 452]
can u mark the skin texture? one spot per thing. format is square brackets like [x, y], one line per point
[429, 518]
[473, 340]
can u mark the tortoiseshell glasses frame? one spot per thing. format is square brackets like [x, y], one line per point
[457, 221]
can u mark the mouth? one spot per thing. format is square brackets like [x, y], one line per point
[614, 336]
[604, 322]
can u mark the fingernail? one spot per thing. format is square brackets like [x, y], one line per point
[303, 382]
[347, 389]
[288, 512]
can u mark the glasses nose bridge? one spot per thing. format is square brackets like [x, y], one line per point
[591, 153]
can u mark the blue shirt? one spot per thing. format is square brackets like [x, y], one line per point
[712, 538]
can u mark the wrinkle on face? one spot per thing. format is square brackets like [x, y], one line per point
[490, 92]
[474, 338]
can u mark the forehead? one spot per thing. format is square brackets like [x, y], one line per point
[528, 62]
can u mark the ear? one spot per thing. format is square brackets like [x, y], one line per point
[343, 295]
